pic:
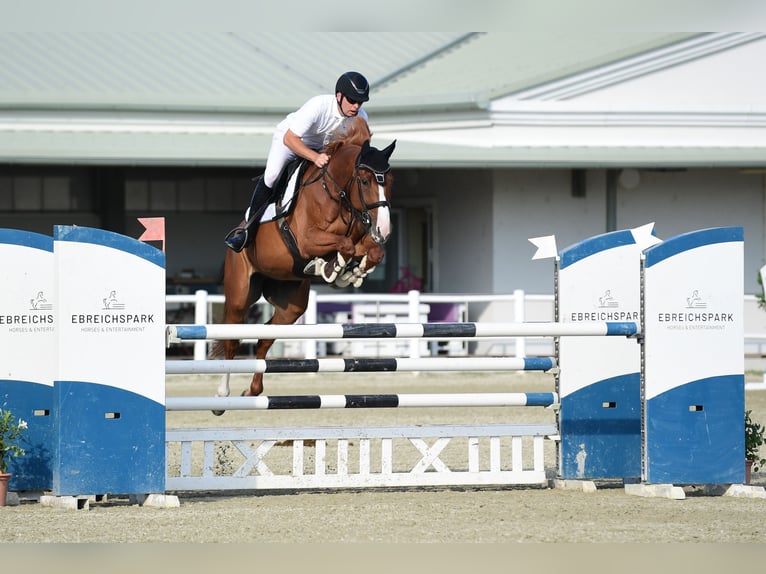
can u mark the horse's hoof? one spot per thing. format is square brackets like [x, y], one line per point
[319, 267]
[311, 266]
[218, 413]
[344, 280]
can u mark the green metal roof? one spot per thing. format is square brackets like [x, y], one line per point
[191, 98]
[196, 71]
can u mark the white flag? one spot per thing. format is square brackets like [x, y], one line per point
[546, 247]
[643, 236]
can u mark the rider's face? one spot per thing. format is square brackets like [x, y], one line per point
[348, 108]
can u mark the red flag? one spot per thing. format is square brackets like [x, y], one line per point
[155, 229]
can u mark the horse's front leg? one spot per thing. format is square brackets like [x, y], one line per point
[371, 255]
[318, 244]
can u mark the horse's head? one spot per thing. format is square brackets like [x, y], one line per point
[362, 178]
[373, 180]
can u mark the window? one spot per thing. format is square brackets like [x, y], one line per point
[209, 193]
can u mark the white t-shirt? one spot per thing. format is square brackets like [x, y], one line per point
[316, 121]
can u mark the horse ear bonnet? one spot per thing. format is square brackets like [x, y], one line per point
[375, 159]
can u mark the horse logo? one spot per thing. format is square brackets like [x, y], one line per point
[607, 301]
[40, 303]
[111, 302]
[695, 301]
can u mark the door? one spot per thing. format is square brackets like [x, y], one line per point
[409, 262]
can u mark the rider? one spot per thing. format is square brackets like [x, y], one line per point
[302, 133]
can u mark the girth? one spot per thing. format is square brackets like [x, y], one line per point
[299, 262]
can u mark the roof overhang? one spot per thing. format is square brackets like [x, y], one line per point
[524, 134]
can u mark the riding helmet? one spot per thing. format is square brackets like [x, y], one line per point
[353, 86]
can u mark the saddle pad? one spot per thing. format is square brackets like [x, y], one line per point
[271, 211]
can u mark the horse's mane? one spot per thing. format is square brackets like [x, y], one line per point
[353, 132]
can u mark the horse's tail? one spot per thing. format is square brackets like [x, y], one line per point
[216, 351]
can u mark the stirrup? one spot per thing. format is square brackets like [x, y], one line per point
[233, 239]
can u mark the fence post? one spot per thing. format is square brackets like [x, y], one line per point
[413, 297]
[200, 318]
[518, 316]
[311, 319]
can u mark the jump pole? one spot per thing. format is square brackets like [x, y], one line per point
[351, 365]
[386, 401]
[177, 333]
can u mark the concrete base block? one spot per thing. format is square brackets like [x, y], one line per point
[656, 491]
[66, 502]
[156, 500]
[745, 491]
[30, 495]
[571, 484]
[11, 498]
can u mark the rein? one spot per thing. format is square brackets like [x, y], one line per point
[362, 216]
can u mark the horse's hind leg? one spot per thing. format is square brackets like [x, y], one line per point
[289, 299]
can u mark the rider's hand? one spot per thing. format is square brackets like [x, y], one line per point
[321, 160]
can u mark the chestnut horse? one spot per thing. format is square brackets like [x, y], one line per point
[334, 231]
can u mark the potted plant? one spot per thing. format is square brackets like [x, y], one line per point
[11, 430]
[754, 439]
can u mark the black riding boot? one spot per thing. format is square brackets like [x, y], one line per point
[239, 237]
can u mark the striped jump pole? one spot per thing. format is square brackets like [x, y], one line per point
[350, 365]
[362, 401]
[176, 333]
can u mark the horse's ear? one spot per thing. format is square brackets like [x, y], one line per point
[390, 149]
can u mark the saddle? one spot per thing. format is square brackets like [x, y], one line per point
[285, 196]
[285, 190]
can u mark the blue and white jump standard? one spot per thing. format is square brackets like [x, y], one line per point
[109, 392]
[599, 279]
[693, 376]
[28, 340]
[677, 399]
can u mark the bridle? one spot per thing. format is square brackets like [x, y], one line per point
[362, 216]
